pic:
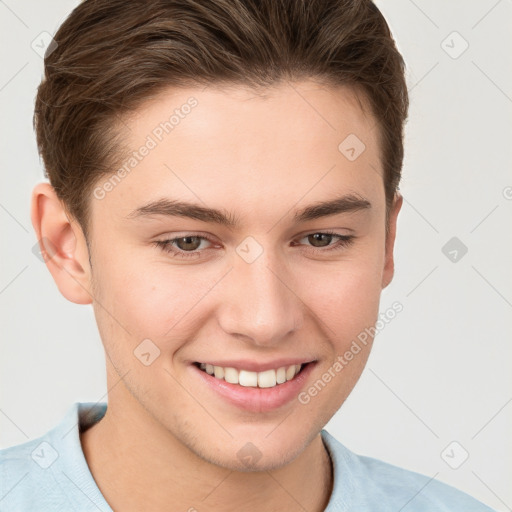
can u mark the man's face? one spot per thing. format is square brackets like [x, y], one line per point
[265, 292]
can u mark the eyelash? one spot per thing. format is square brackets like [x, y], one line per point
[166, 245]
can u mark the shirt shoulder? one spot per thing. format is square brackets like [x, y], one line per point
[366, 484]
[26, 482]
[49, 473]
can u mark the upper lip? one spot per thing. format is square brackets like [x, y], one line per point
[253, 366]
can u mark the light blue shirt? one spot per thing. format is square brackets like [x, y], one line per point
[50, 474]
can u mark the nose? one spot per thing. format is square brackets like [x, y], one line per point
[259, 303]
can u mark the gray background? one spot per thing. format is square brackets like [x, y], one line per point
[440, 371]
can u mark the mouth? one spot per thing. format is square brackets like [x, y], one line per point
[252, 391]
[265, 379]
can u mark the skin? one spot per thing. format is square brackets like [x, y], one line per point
[166, 438]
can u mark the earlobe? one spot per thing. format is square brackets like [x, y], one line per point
[389, 264]
[62, 244]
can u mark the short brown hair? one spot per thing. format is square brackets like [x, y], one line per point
[112, 55]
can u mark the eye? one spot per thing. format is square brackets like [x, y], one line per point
[188, 246]
[321, 241]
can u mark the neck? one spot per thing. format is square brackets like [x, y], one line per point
[139, 465]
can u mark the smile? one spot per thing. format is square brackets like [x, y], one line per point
[253, 386]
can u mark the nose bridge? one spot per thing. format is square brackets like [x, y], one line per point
[258, 303]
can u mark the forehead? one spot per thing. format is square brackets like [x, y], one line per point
[305, 110]
[251, 148]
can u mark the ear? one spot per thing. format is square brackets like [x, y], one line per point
[62, 244]
[389, 262]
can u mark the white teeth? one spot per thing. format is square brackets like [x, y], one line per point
[291, 371]
[247, 379]
[265, 379]
[231, 375]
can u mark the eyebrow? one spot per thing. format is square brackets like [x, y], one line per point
[172, 208]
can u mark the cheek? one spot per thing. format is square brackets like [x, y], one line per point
[346, 297]
[149, 299]
[148, 303]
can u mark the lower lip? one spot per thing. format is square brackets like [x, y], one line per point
[257, 399]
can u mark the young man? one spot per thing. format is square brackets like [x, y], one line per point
[223, 191]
